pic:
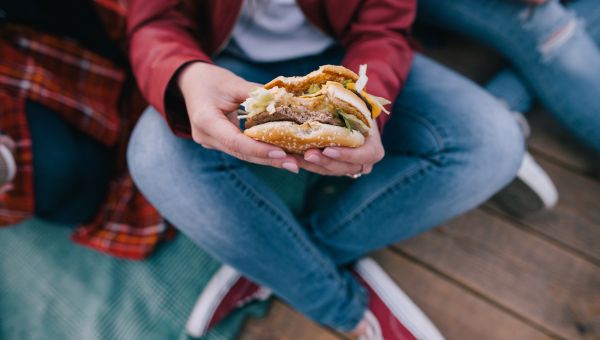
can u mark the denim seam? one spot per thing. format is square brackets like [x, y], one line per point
[262, 203]
[435, 129]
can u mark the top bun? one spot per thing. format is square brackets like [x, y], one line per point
[321, 76]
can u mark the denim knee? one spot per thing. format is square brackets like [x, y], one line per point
[494, 147]
[142, 153]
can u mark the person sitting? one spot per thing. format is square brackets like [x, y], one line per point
[446, 148]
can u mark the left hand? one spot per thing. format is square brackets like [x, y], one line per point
[342, 161]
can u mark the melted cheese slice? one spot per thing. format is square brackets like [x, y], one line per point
[376, 107]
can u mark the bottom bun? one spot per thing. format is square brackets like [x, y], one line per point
[298, 138]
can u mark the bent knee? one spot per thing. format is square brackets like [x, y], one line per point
[145, 153]
[496, 146]
[157, 158]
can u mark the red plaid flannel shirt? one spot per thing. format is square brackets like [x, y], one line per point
[93, 95]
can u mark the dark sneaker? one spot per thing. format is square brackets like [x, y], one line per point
[227, 291]
[531, 191]
[391, 314]
[8, 166]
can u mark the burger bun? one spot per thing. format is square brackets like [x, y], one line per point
[297, 138]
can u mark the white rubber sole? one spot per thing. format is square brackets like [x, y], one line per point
[218, 286]
[531, 191]
[538, 180]
[411, 316]
[7, 161]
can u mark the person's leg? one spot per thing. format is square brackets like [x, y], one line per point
[589, 12]
[224, 208]
[70, 170]
[449, 147]
[507, 84]
[547, 45]
[94, 168]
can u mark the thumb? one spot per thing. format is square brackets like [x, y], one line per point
[242, 91]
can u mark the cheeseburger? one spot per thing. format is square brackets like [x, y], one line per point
[327, 107]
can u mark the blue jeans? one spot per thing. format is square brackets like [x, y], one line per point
[449, 147]
[548, 46]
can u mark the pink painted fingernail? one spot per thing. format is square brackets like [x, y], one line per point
[333, 153]
[277, 154]
[312, 158]
[291, 167]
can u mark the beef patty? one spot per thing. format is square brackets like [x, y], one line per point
[284, 113]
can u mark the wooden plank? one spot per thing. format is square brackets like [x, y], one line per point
[539, 281]
[457, 313]
[550, 139]
[283, 323]
[575, 221]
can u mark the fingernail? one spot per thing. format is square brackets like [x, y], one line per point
[277, 154]
[312, 158]
[333, 153]
[289, 166]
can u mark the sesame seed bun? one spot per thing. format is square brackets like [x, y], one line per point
[298, 138]
[325, 73]
[302, 131]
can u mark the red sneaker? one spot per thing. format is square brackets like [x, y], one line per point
[226, 291]
[391, 314]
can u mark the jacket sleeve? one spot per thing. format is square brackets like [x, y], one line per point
[378, 37]
[161, 41]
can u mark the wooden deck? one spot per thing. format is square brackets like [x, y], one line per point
[489, 275]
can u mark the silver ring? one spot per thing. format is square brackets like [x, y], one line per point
[358, 174]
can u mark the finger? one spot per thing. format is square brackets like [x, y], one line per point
[233, 141]
[242, 90]
[288, 163]
[315, 157]
[276, 158]
[319, 169]
[314, 167]
[233, 118]
[369, 153]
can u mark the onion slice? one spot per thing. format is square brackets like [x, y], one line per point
[362, 78]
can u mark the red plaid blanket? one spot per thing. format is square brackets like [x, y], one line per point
[93, 95]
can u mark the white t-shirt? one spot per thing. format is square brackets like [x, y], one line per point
[275, 30]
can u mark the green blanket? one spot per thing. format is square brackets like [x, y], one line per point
[51, 288]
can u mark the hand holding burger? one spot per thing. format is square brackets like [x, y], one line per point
[212, 96]
[326, 109]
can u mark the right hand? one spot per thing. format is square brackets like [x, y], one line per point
[212, 96]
